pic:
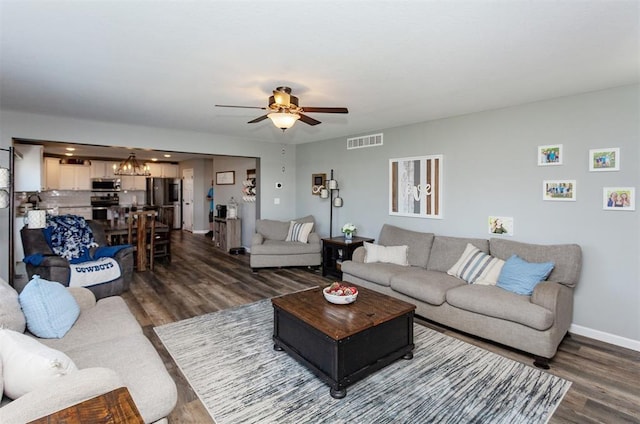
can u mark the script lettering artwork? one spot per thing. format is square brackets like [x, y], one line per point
[415, 186]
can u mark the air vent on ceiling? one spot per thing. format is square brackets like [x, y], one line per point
[364, 141]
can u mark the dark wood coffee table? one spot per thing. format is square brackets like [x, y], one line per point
[342, 344]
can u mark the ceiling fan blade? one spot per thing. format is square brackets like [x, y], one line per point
[258, 119]
[308, 120]
[325, 109]
[243, 107]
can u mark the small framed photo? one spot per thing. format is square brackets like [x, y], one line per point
[607, 159]
[559, 190]
[226, 178]
[502, 225]
[619, 198]
[550, 155]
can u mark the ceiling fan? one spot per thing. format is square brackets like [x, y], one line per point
[284, 110]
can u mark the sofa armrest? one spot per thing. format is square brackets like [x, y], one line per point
[358, 254]
[257, 239]
[314, 238]
[69, 390]
[557, 298]
[84, 297]
[54, 260]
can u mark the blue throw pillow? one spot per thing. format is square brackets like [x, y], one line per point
[520, 276]
[49, 308]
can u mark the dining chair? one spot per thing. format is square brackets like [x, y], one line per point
[142, 236]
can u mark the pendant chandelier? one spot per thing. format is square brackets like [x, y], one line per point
[131, 166]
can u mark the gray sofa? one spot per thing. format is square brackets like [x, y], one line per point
[535, 324]
[110, 351]
[269, 247]
[56, 268]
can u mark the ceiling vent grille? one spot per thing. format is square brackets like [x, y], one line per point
[364, 141]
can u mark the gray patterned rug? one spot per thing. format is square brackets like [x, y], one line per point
[228, 359]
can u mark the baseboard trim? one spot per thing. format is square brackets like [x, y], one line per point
[605, 337]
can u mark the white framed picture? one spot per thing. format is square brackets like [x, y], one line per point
[551, 154]
[607, 159]
[559, 190]
[619, 198]
[502, 225]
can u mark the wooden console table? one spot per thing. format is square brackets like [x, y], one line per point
[115, 407]
[227, 233]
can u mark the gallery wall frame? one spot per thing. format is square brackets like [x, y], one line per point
[501, 225]
[605, 159]
[559, 190]
[226, 178]
[550, 155]
[619, 198]
[416, 186]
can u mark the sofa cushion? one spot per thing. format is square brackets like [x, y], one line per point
[385, 254]
[378, 273]
[427, 286]
[494, 302]
[419, 244]
[109, 319]
[49, 308]
[11, 315]
[277, 230]
[299, 231]
[520, 276]
[476, 267]
[446, 251]
[136, 361]
[28, 364]
[281, 247]
[566, 257]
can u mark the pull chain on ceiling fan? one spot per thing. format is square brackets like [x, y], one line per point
[284, 110]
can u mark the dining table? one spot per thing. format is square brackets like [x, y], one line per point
[117, 232]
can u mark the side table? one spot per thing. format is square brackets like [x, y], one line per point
[338, 249]
[114, 407]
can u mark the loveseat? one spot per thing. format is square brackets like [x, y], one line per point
[535, 324]
[57, 268]
[107, 346]
[283, 243]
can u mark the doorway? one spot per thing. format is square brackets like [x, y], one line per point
[187, 199]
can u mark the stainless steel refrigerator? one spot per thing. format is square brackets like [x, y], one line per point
[164, 194]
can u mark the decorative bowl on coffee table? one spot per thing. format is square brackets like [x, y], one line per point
[339, 299]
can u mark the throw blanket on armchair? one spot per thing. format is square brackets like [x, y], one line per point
[69, 236]
[88, 274]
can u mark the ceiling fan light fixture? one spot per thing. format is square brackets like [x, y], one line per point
[283, 120]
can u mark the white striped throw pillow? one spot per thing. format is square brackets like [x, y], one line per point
[299, 231]
[476, 267]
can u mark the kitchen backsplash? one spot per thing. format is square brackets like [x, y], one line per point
[56, 198]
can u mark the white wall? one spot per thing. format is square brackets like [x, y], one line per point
[490, 168]
[15, 124]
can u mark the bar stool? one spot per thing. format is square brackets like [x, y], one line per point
[141, 235]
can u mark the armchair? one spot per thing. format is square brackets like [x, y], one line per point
[56, 268]
[269, 247]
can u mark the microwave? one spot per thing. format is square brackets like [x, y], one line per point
[105, 184]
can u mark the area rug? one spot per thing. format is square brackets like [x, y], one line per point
[228, 359]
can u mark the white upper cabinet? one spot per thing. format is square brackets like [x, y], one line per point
[75, 177]
[51, 174]
[164, 170]
[103, 169]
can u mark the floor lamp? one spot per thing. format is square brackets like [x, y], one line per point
[326, 192]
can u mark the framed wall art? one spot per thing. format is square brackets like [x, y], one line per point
[550, 154]
[226, 178]
[619, 198]
[317, 183]
[607, 159]
[559, 190]
[502, 225]
[415, 186]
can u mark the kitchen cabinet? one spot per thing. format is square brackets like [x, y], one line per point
[133, 182]
[163, 170]
[75, 177]
[51, 174]
[102, 169]
[28, 169]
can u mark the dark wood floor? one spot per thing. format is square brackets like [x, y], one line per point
[202, 279]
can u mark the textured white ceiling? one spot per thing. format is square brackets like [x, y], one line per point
[166, 63]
